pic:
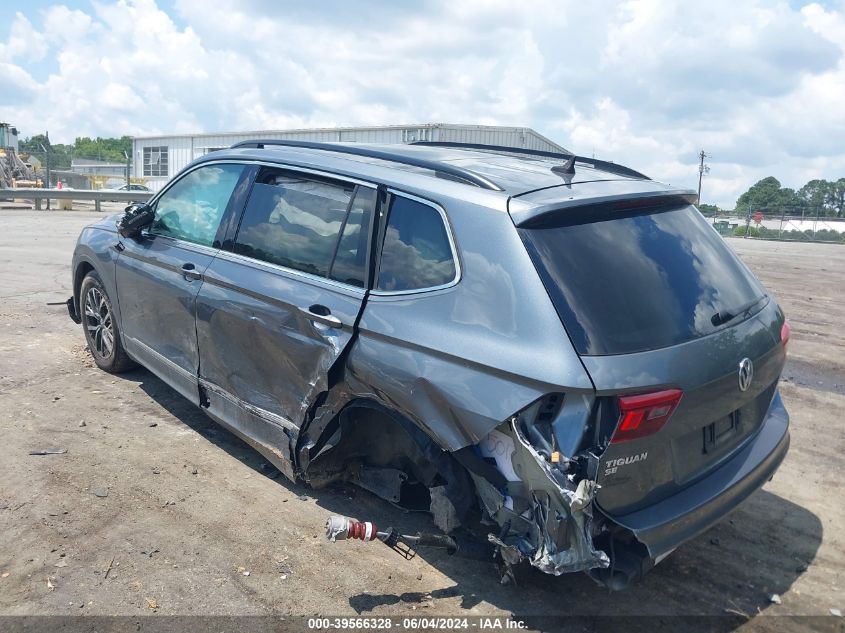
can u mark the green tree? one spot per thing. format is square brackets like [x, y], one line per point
[107, 149]
[824, 197]
[60, 155]
[771, 198]
[709, 209]
[837, 197]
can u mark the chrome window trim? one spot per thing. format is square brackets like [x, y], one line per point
[237, 258]
[444, 218]
[246, 161]
[190, 246]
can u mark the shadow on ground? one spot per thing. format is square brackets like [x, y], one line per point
[731, 570]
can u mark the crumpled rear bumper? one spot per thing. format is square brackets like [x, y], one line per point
[667, 524]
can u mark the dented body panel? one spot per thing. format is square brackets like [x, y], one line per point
[269, 353]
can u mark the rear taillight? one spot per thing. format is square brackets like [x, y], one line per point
[644, 414]
[784, 334]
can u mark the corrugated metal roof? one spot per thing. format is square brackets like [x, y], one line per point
[486, 134]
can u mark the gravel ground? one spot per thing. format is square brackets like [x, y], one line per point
[154, 509]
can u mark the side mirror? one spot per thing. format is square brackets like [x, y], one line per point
[136, 217]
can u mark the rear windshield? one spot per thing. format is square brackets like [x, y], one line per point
[634, 283]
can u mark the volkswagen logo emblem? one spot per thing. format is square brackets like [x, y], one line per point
[746, 373]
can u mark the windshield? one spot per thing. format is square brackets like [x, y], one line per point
[640, 282]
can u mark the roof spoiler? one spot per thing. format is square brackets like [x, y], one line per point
[592, 209]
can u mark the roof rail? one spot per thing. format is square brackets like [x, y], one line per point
[603, 164]
[458, 173]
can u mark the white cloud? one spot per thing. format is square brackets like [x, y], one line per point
[24, 42]
[758, 84]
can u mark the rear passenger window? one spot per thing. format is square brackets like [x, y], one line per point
[294, 221]
[416, 253]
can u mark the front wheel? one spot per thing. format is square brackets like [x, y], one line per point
[101, 330]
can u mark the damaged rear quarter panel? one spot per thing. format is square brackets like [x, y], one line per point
[461, 360]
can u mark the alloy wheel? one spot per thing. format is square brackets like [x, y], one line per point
[99, 323]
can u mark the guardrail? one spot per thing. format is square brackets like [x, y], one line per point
[97, 195]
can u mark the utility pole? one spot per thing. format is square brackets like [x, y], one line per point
[127, 169]
[702, 169]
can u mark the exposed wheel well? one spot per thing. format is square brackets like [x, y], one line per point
[366, 433]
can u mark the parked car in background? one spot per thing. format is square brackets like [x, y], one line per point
[558, 344]
[133, 187]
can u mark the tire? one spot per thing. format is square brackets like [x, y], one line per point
[100, 326]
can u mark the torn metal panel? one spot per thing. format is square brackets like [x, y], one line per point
[565, 502]
[548, 506]
[534, 496]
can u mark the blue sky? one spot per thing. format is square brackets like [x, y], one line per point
[758, 84]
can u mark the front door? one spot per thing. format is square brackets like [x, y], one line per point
[160, 273]
[279, 305]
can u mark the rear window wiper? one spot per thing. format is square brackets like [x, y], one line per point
[724, 316]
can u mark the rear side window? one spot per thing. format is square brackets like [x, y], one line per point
[294, 221]
[629, 284]
[416, 253]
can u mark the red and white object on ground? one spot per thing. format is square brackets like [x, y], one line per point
[341, 528]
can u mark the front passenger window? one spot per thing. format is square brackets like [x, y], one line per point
[192, 208]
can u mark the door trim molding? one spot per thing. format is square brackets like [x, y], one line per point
[263, 414]
[163, 359]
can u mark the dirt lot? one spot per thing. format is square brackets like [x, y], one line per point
[190, 509]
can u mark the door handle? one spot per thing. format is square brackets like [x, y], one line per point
[321, 314]
[189, 272]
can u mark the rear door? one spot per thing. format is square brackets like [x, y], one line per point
[160, 273]
[280, 302]
[654, 301]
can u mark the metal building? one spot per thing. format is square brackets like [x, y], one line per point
[8, 136]
[157, 158]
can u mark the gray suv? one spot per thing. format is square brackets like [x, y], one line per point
[556, 345]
